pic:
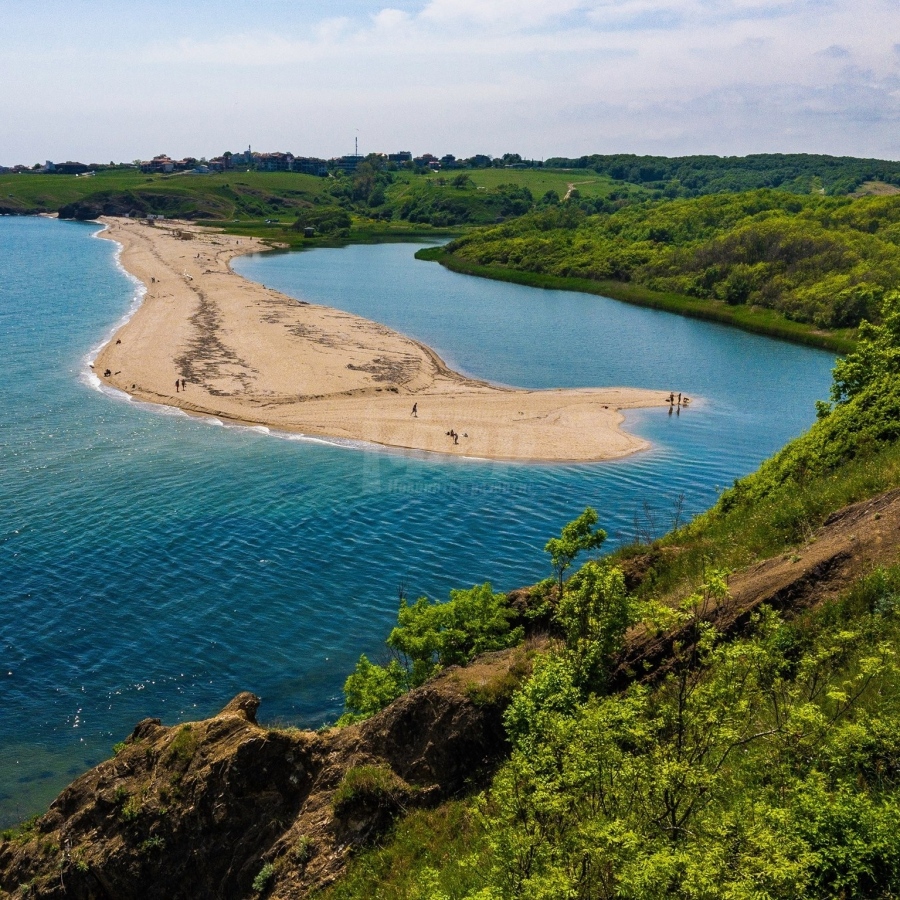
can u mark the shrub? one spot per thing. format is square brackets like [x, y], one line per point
[183, 746]
[430, 636]
[265, 875]
[372, 786]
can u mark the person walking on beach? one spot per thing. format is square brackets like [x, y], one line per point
[177, 382]
[183, 385]
[415, 410]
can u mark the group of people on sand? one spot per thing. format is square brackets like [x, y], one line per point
[451, 433]
[180, 382]
[677, 403]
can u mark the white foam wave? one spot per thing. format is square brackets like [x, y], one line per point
[88, 377]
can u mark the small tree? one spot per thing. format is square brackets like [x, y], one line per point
[431, 636]
[579, 535]
[428, 637]
[371, 688]
[594, 614]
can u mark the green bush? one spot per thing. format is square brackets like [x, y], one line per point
[183, 746]
[373, 786]
[22, 832]
[263, 878]
[324, 219]
[428, 637]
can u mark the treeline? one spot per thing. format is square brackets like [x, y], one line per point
[763, 764]
[686, 176]
[377, 192]
[818, 260]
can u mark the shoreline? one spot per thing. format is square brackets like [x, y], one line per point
[251, 356]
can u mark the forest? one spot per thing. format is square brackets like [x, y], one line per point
[687, 176]
[824, 261]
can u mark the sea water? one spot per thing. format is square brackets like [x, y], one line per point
[153, 564]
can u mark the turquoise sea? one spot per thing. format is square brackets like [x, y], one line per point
[155, 565]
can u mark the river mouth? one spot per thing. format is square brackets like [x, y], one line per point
[155, 566]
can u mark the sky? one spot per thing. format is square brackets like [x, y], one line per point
[101, 80]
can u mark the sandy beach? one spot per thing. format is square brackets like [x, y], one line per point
[254, 356]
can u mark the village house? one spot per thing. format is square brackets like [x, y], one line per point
[310, 165]
[274, 162]
[161, 163]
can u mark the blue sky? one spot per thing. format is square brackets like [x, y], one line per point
[97, 80]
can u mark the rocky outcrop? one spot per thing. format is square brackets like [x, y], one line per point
[207, 809]
[104, 204]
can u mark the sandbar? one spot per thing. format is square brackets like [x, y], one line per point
[254, 356]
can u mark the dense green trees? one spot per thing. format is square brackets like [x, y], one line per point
[687, 176]
[428, 637]
[461, 203]
[823, 261]
[767, 771]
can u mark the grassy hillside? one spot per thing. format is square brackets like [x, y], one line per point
[757, 762]
[372, 204]
[245, 195]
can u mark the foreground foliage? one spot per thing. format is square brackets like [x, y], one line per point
[769, 770]
[430, 636]
[760, 766]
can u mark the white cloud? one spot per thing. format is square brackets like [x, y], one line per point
[510, 14]
[389, 19]
[568, 76]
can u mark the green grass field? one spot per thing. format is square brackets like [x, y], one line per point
[242, 195]
[539, 181]
[249, 196]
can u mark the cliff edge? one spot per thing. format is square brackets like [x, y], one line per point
[227, 808]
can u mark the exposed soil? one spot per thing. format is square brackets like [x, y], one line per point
[876, 189]
[850, 543]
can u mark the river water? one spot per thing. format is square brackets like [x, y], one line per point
[155, 565]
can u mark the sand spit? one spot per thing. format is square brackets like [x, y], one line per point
[253, 356]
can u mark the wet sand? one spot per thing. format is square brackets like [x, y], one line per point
[254, 356]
